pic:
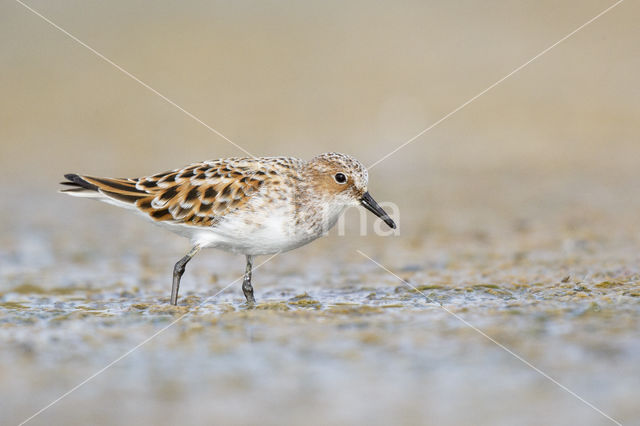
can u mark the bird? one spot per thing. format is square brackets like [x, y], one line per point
[245, 205]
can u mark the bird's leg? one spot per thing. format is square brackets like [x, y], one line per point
[178, 270]
[247, 289]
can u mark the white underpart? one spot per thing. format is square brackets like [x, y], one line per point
[100, 197]
[271, 230]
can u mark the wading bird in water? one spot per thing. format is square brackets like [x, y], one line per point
[250, 206]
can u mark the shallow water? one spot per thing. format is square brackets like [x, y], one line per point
[333, 339]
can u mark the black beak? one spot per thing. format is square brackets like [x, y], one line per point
[370, 204]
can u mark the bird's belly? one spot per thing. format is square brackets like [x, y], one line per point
[271, 233]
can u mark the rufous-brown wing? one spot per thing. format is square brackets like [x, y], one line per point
[199, 194]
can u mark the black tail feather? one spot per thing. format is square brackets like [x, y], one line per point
[77, 181]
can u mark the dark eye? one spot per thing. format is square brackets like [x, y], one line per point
[340, 178]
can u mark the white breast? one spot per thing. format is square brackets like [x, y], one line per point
[268, 226]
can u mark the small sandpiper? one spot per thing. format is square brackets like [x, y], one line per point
[250, 206]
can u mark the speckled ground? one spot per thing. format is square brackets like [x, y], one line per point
[334, 338]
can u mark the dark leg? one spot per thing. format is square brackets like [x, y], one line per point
[246, 283]
[178, 270]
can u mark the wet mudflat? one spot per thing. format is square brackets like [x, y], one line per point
[334, 338]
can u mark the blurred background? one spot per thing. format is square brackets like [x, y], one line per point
[520, 212]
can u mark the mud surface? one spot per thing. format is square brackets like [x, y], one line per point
[334, 338]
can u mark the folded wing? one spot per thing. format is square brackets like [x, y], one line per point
[198, 195]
